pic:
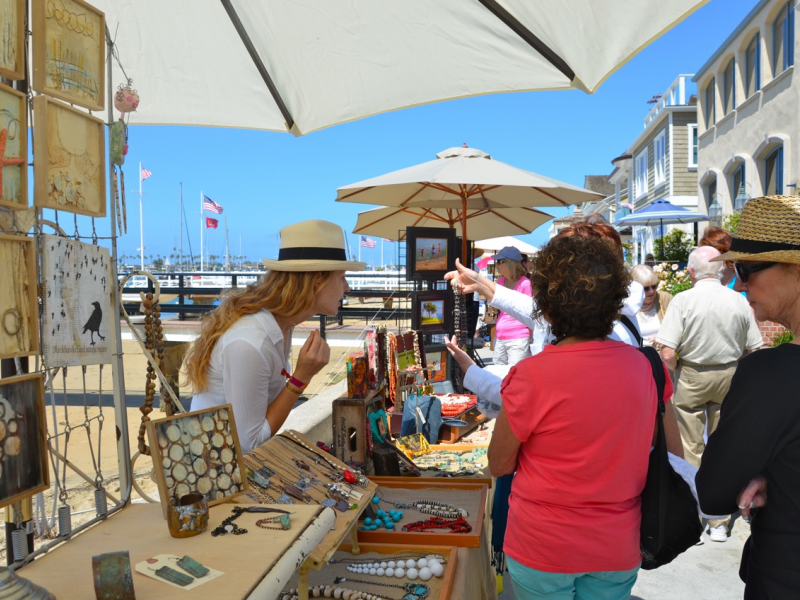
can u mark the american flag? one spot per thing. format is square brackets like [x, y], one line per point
[367, 242]
[211, 206]
[144, 174]
[211, 223]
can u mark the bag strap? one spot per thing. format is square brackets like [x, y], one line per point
[631, 326]
[661, 442]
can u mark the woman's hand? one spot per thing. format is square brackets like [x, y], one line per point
[313, 356]
[754, 495]
[469, 281]
[462, 358]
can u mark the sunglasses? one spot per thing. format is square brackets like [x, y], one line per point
[648, 288]
[744, 270]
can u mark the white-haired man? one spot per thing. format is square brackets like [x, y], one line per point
[710, 327]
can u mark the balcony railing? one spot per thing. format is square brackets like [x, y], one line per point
[677, 95]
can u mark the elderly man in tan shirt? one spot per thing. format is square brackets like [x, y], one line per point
[710, 327]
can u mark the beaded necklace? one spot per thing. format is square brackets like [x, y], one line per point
[430, 507]
[422, 568]
[328, 591]
[459, 525]
[392, 367]
[414, 591]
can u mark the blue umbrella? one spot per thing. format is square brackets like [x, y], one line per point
[659, 213]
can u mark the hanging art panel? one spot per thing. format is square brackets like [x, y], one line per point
[72, 176]
[69, 52]
[197, 452]
[13, 149]
[19, 319]
[77, 314]
[23, 439]
[12, 37]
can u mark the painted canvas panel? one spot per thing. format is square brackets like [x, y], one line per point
[69, 51]
[23, 435]
[77, 318]
[73, 176]
[13, 149]
[11, 38]
[431, 254]
[197, 452]
[437, 360]
[19, 319]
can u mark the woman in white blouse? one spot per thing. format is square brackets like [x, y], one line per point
[654, 306]
[242, 354]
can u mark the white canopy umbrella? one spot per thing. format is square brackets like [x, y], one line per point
[303, 65]
[498, 243]
[460, 184]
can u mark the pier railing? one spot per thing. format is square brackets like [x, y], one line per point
[195, 293]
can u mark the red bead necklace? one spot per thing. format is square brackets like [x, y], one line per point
[459, 525]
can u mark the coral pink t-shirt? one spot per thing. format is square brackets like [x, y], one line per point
[508, 328]
[585, 415]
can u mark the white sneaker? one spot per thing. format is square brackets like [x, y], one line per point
[718, 533]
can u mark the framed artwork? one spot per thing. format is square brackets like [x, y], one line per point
[430, 252]
[197, 452]
[69, 42]
[77, 318]
[432, 312]
[70, 174]
[13, 148]
[12, 17]
[23, 463]
[19, 310]
[437, 358]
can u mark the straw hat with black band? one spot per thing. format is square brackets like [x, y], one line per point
[313, 246]
[769, 231]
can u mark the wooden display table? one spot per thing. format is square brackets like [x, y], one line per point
[252, 563]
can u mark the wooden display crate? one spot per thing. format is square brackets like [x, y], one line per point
[350, 418]
[449, 434]
[427, 476]
[456, 492]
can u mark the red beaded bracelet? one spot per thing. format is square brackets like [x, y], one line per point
[294, 381]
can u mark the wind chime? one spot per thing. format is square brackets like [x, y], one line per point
[126, 100]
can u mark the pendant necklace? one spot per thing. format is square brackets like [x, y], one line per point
[414, 591]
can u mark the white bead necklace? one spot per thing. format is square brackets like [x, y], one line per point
[423, 568]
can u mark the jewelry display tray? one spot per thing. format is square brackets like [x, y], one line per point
[440, 586]
[482, 476]
[346, 522]
[467, 495]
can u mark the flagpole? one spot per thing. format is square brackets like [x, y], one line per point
[382, 252]
[227, 250]
[180, 258]
[141, 219]
[359, 249]
[201, 231]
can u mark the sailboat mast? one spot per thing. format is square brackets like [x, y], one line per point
[180, 257]
[201, 231]
[227, 251]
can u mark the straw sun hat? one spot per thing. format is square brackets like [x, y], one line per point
[313, 246]
[769, 230]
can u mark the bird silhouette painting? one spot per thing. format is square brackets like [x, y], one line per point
[93, 324]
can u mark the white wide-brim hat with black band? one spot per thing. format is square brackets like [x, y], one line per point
[313, 246]
[769, 231]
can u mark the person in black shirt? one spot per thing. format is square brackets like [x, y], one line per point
[752, 460]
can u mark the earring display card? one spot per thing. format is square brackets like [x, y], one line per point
[197, 452]
[19, 322]
[77, 317]
[151, 565]
[23, 459]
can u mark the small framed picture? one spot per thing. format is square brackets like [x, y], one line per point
[431, 252]
[12, 16]
[432, 312]
[437, 360]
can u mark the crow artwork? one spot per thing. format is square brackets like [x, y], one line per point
[93, 324]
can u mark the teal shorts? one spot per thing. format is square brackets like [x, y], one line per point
[601, 585]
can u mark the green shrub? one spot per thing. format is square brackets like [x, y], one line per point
[731, 223]
[784, 337]
[676, 245]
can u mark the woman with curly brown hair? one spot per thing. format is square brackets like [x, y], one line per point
[242, 354]
[576, 424]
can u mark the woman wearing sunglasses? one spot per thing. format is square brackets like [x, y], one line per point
[654, 306]
[752, 460]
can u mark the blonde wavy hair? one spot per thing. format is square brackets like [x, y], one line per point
[516, 269]
[284, 294]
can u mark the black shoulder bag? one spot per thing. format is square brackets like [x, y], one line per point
[670, 521]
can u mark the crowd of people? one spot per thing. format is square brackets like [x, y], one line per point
[575, 421]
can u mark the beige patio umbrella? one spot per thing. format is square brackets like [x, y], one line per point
[461, 185]
[303, 65]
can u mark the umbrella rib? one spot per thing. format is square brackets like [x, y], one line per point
[540, 190]
[259, 64]
[412, 196]
[509, 221]
[528, 37]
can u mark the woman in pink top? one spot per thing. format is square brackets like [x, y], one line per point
[577, 425]
[512, 338]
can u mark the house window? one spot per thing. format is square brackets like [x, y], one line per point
[783, 39]
[752, 66]
[692, 146]
[640, 175]
[773, 172]
[660, 159]
[729, 87]
[738, 181]
[710, 110]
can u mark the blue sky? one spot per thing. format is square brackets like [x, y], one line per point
[268, 180]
